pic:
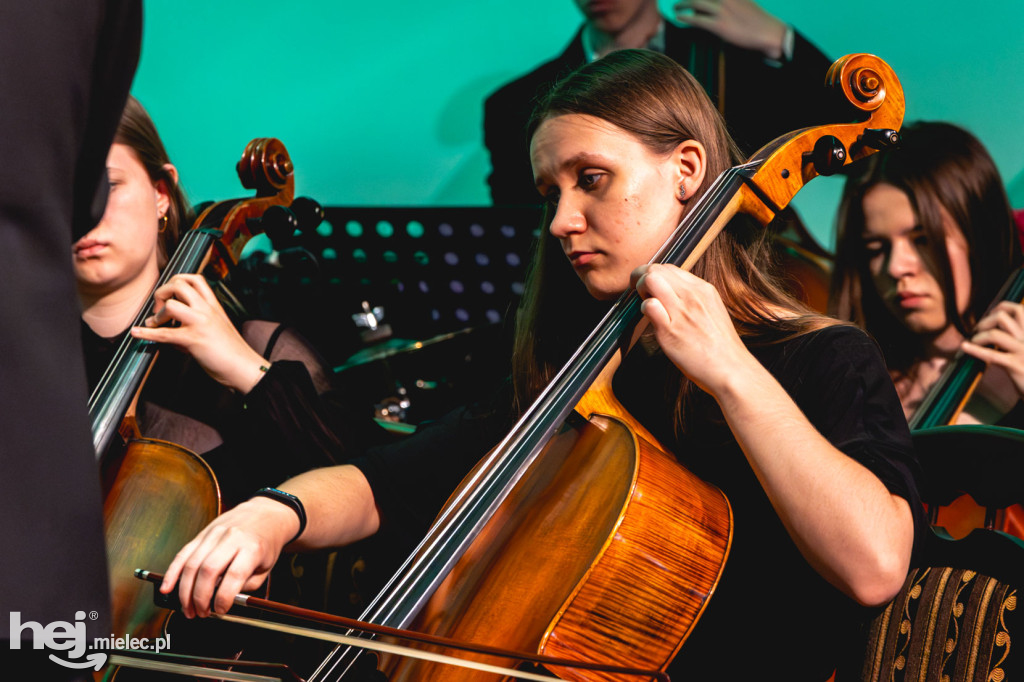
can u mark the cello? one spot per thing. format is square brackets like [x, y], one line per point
[158, 494]
[942, 406]
[577, 536]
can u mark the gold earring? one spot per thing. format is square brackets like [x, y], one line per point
[163, 224]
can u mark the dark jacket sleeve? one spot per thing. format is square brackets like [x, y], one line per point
[412, 478]
[294, 420]
[507, 112]
[315, 429]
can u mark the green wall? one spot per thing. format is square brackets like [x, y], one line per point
[381, 103]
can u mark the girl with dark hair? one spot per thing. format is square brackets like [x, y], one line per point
[253, 399]
[791, 415]
[926, 239]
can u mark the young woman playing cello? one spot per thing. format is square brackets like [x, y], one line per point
[252, 400]
[926, 239]
[793, 416]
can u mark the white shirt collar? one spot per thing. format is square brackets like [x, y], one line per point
[656, 43]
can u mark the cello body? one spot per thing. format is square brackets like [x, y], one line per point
[606, 545]
[155, 482]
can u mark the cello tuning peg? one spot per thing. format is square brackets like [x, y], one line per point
[280, 225]
[880, 138]
[828, 155]
[309, 213]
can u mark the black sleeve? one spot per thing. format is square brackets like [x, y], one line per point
[764, 101]
[1014, 419]
[295, 419]
[317, 429]
[411, 479]
[862, 415]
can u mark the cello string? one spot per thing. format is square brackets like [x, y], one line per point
[183, 255]
[118, 384]
[114, 376]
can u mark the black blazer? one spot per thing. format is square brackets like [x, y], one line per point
[759, 101]
[65, 70]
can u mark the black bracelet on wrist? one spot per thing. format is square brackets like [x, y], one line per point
[288, 500]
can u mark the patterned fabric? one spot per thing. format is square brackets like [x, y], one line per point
[945, 625]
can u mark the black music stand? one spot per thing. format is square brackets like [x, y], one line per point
[435, 271]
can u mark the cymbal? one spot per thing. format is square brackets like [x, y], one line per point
[392, 347]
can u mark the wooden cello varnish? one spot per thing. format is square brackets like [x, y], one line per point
[606, 578]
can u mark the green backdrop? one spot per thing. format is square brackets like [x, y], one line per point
[381, 103]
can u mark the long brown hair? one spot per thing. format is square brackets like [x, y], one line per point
[943, 170]
[136, 130]
[653, 98]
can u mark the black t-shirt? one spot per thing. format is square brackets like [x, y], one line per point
[771, 612]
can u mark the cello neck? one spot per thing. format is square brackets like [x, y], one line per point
[220, 233]
[949, 395]
[116, 390]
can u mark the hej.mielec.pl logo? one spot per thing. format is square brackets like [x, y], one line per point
[59, 636]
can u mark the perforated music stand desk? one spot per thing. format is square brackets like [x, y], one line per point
[433, 270]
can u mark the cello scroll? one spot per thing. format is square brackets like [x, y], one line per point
[266, 167]
[775, 173]
[870, 85]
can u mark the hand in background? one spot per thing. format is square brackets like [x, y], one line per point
[740, 22]
[999, 340]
